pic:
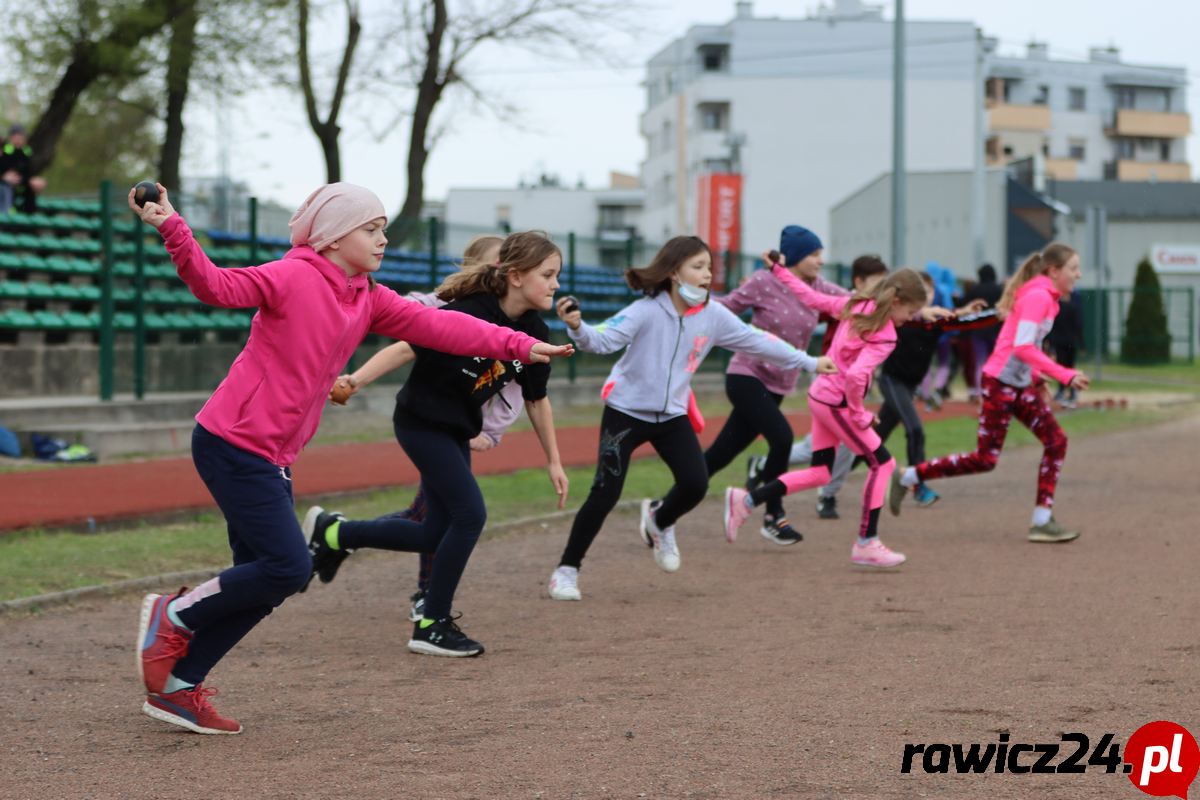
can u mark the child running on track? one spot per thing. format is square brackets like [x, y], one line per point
[1012, 386]
[315, 305]
[863, 340]
[666, 335]
[756, 387]
[499, 412]
[438, 413]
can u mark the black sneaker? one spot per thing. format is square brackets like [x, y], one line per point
[779, 531]
[754, 468]
[443, 638]
[326, 560]
[827, 507]
[418, 606]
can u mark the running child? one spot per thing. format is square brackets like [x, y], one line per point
[665, 335]
[438, 413]
[315, 305]
[864, 339]
[1012, 386]
[756, 387]
[499, 412]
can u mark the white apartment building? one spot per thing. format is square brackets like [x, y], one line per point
[802, 108]
[1099, 119]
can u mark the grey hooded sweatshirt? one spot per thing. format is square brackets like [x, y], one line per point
[652, 379]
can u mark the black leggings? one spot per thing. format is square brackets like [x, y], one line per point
[898, 407]
[454, 516]
[620, 435]
[755, 411]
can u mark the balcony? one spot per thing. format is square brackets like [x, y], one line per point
[1152, 124]
[1062, 169]
[1009, 117]
[1163, 171]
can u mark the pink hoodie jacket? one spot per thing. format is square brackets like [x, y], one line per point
[310, 318]
[856, 357]
[1018, 359]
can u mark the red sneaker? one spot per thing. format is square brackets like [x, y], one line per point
[160, 642]
[189, 708]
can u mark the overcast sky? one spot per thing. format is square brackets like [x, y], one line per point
[580, 119]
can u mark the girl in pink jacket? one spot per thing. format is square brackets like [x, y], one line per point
[1012, 386]
[315, 305]
[861, 343]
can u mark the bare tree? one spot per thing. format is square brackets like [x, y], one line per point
[440, 41]
[180, 55]
[327, 130]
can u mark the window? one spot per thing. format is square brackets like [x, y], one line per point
[1077, 98]
[713, 57]
[717, 165]
[714, 116]
[1077, 149]
[1042, 96]
[1126, 97]
[612, 216]
[1164, 150]
[1125, 148]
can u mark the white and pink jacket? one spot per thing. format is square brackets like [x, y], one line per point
[1018, 359]
[856, 356]
[310, 319]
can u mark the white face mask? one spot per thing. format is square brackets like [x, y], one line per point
[692, 295]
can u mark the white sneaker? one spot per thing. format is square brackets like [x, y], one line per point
[564, 584]
[666, 551]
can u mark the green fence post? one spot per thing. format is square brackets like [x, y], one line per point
[1191, 301]
[572, 369]
[433, 253]
[253, 230]
[106, 291]
[139, 309]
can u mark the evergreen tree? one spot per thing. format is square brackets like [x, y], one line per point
[1146, 340]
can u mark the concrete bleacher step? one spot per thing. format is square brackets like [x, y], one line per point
[111, 439]
[43, 413]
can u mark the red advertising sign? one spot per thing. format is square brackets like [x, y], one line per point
[719, 218]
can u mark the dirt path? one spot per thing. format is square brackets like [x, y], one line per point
[754, 672]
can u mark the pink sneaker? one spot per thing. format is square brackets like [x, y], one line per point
[875, 554]
[736, 511]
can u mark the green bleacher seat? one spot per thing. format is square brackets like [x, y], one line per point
[78, 321]
[48, 320]
[14, 290]
[17, 318]
[41, 291]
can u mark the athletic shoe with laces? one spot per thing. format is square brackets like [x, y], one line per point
[326, 560]
[924, 496]
[754, 467]
[443, 638]
[190, 708]
[827, 507]
[875, 554]
[1051, 533]
[895, 493]
[779, 530]
[160, 642]
[417, 611]
[564, 584]
[666, 550]
[736, 511]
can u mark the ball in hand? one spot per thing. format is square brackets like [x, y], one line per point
[145, 192]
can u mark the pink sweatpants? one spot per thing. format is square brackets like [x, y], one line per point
[831, 427]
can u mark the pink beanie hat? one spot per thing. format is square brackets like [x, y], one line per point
[331, 212]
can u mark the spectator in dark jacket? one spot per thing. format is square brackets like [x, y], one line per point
[1065, 337]
[984, 340]
[18, 185]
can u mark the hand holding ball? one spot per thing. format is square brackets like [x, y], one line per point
[145, 192]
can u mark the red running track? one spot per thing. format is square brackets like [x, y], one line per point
[74, 494]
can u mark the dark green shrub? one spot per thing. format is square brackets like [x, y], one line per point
[1146, 340]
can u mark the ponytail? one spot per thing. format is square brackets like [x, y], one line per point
[1056, 254]
[519, 252]
[902, 286]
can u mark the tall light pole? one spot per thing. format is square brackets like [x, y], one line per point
[979, 187]
[899, 219]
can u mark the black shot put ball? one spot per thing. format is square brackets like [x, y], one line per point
[145, 192]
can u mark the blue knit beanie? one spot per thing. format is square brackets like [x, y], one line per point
[797, 243]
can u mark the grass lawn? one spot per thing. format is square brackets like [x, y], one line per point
[36, 562]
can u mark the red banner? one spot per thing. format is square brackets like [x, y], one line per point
[719, 219]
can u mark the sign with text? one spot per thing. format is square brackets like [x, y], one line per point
[1175, 257]
[719, 223]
